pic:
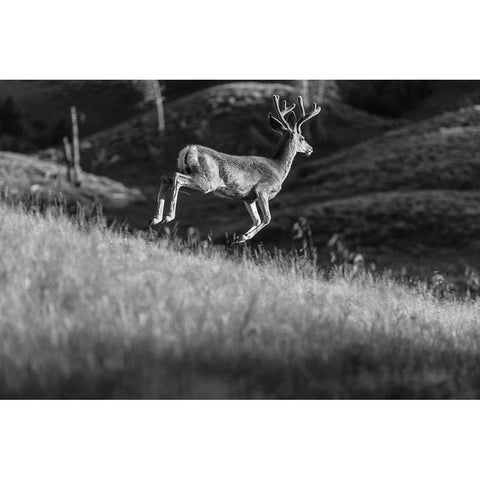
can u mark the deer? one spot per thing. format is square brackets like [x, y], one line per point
[254, 180]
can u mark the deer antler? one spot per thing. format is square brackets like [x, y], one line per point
[306, 116]
[282, 112]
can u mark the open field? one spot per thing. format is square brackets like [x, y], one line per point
[86, 312]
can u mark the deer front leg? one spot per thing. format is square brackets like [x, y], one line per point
[165, 184]
[264, 208]
[252, 210]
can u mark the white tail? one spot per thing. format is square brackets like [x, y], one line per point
[254, 180]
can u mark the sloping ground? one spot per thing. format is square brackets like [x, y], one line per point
[90, 313]
[442, 153]
[23, 176]
[427, 217]
[230, 117]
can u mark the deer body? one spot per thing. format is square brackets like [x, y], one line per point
[252, 179]
[231, 176]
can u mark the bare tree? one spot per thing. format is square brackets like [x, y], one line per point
[151, 91]
[68, 158]
[157, 92]
[72, 151]
[76, 148]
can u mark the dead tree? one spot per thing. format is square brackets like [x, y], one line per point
[72, 152]
[157, 92]
[76, 178]
[68, 158]
[151, 92]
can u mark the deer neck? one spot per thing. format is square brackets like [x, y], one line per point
[285, 154]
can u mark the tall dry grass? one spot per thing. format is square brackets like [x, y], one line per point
[87, 312]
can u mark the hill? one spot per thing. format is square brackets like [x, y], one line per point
[228, 117]
[23, 177]
[88, 312]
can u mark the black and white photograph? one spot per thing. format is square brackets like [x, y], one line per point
[239, 240]
[275, 239]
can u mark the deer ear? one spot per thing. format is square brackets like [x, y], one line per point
[275, 123]
[291, 119]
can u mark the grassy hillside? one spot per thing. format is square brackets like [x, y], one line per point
[419, 182]
[87, 312]
[23, 176]
[441, 153]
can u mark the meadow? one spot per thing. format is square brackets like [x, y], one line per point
[90, 311]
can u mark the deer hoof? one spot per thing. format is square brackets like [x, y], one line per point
[154, 221]
[168, 218]
[241, 239]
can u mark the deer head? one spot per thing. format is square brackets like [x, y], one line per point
[288, 125]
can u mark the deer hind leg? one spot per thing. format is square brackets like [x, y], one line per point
[265, 209]
[165, 184]
[182, 180]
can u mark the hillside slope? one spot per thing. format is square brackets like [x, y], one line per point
[441, 154]
[90, 313]
[23, 176]
[229, 117]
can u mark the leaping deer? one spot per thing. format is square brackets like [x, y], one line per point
[254, 180]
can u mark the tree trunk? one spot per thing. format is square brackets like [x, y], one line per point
[157, 92]
[159, 103]
[76, 180]
[68, 158]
